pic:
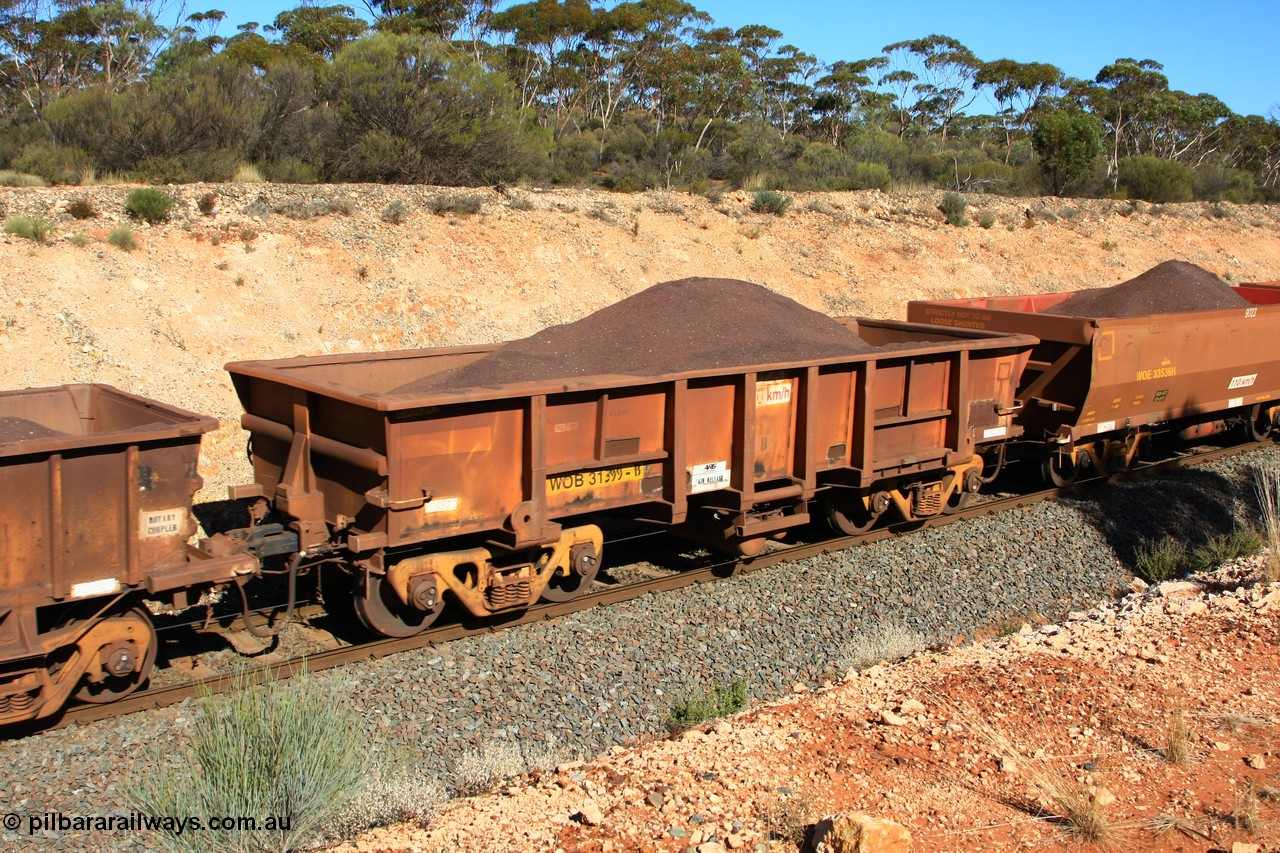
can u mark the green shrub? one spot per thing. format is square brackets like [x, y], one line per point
[870, 176]
[282, 749]
[463, 205]
[35, 228]
[79, 240]
[1241, 542]
[953, 206]
[57, 164]
[162, 170]
[1163, 560]
[148, 204]
[1218, 183]
[122, 238]
[768, 201]
[395, 213]
[10, 178]
[291, 170]
[82, 208]
[986, 220]
[1155, 180]
[690, 709]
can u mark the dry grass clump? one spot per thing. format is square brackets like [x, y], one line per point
[1178, 745]
[1079, 808]
[885, 641]
[1266, 485]
[481, 770]
[394, 794]
[1245, 814]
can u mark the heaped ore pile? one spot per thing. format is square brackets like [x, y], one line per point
[21, 429]
[676, 326]
[1173, 287]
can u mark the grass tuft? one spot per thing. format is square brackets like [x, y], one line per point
[395, 213]
[1177, 749]
[1266, 485]
[81, 208]
[481, 770]
[122, 237]
[1245, 813]
[1073, 804]
[34, 228]
[885, 641]
[278, 749]
[1241, 542]
[1162, 560]
[248, 174]
[10, 178]
[691, 709]
[460, 205]
[768, 201]
[148, 205]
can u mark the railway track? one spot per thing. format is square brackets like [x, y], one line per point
[159, 697]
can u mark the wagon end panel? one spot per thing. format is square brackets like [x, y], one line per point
[916, 412]
[95, 490]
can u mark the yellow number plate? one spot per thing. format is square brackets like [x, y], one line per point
[589, 480]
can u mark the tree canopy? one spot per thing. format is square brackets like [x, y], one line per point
[627, 95]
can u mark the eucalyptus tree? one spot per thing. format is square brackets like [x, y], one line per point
[1122, 91]
[842, 95]
[319, 30]
[1019, 88]
[933, 78]
[50, 47]
[786, 87]
[1182, 127]
[550, 58]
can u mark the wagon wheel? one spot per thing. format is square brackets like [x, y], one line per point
[380, 610]
[1260, 423]
[584, 565]
[849, 515]
[126, 669]
[1059, 470]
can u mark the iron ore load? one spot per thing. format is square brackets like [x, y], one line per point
[476, 475]
[1173, 349]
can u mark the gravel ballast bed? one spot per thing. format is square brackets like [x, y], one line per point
[607, 676]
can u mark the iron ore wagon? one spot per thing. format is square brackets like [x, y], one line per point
[429, 488]
[1175, 350]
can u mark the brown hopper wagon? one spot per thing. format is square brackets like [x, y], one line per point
[95, 514]
[485, 494]
[1096, 387]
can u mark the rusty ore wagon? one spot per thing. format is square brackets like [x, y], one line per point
[95, 513]
[1096, 388]
[486, 494]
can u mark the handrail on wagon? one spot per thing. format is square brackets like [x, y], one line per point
[361, 457]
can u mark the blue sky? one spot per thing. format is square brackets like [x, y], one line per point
[1227, 48]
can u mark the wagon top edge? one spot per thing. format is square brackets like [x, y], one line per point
[85, 416]
[1264, 296]
[341, 376]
